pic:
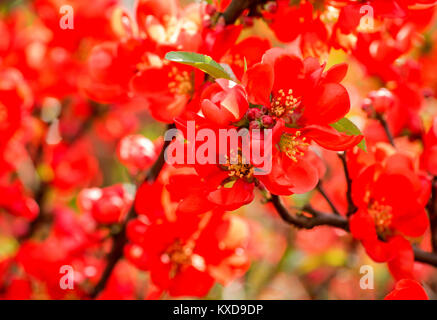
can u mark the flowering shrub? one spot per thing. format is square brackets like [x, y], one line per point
[218, 149]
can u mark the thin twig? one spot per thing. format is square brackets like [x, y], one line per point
[329, 219]
[237, 7]
[328, 200]
[432, 213]
[318, 218]
[119, 239]
[386, 129]
[40, 195]
[351, 207]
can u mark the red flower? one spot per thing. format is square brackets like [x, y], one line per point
[110, 68]
[378, 51]
[73, 166]
[407, 289]
[187, 253]
[107, 205]
[137, 152]
[168, 89]
[302, 96]
[224, 102]
[168, 24]
[288, 22]
[251, 50]
[298, 90]
[391, 199]
[15, 201]
[96, 14]
[15, 101]
[429, 155]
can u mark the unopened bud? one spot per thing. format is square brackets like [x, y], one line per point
[210, 9]
[254, 125]
[253, 114]
[267, 121]
[248, 21]
[271, 6]
[382, 100]
[207, 23]
[367, 107]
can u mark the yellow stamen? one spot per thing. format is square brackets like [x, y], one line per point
[180, 82]
[293, 145]
[382, 216]
[237, 167]
[283, 102]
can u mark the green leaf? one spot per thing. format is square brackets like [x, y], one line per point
[199, 61]
[348, 127]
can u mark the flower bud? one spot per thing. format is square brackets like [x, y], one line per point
[136, 152]
[224, 102]
[382, 100]
[253, 114]
[271, 6]
[210, 9]
[106, 205]
[254, 125]
[267, 121]
[248, 21]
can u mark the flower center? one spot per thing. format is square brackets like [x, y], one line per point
[238, 168]
[178, 255]
[293, 145]
[382, 216]
[283, 103]
[234, 60]
[180, 82]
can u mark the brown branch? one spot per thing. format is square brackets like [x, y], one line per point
[425, 257]
[351, 207]
[432, 213]
[318, 218]
[329, 219]
[384, 124]
[326, 197]
[234, 10]
[237, 7]
[40, 194]
[119, 239]
[118, 242]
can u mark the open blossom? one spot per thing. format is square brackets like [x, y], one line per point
[16, 100]
[301, 94]
[407, 289]
[179, 248]
[156, 149]
[391, 198]
[186, 250]
[17, 203]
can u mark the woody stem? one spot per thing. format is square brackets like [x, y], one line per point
[386, 129]
[351, 207]
[237, 7]
[119, 239]
[327, 198]
[329, 219]
[432, 212]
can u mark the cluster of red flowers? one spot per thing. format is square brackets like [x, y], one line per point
[344, 89]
